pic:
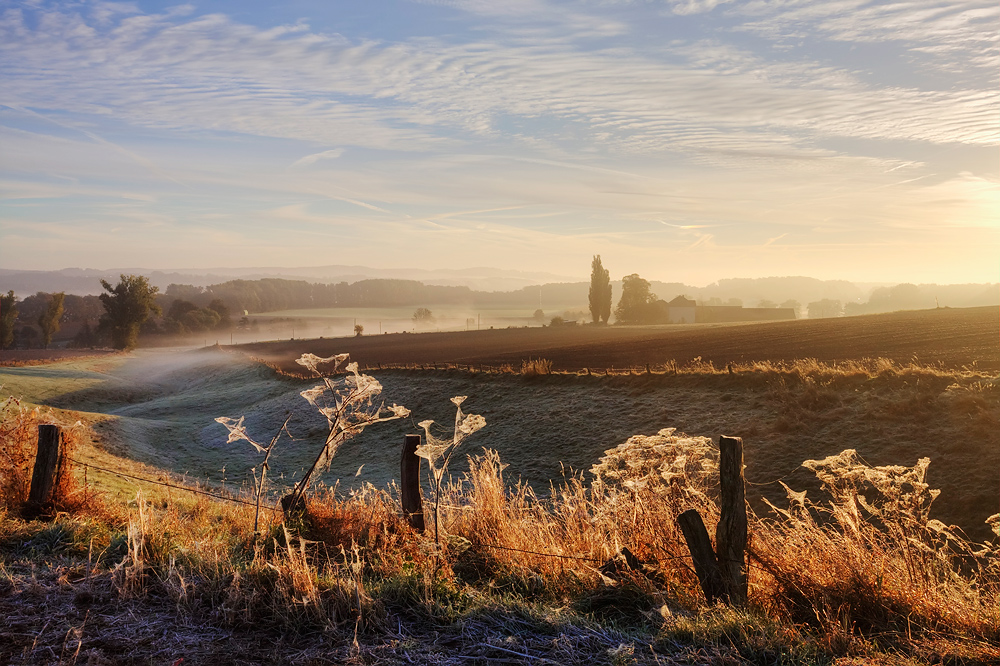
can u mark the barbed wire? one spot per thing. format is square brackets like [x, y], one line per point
[225, 498]
[237, 500]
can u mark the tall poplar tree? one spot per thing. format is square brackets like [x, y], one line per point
[48, 321]
[600, 291]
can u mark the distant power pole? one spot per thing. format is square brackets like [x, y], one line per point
[479, 319]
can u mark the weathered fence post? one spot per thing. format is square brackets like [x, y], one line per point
[409, 473]
[731, 532]
[705, 564]
[47, 465]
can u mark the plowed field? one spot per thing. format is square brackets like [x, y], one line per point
[952, 338]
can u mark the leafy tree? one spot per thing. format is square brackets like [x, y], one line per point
[185, 317]
[85, 337]
[539, 315]
[201, 319]
[49, 319]
[179, 308]
[81, 309]
[8, 315]
[767, 304]
[26, 335]
[423, 316]
[359, 330]
[825, 308]
[600, 291]
[633, 308]
[127, 305]
[220, 308]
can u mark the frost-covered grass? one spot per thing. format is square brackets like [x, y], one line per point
[159, 408]
[860, 574]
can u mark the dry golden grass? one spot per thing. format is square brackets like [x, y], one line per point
[861, 575]
[537, 366]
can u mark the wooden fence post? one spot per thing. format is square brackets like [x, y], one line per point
[731, 532]
[47, 468]
[705, 564]
[409, 472]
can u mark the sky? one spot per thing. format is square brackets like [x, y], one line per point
[684, 140]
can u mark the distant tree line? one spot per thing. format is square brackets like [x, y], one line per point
[274, 294]
[86, 321]
[35, 320]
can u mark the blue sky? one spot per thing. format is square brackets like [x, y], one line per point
[686, 140]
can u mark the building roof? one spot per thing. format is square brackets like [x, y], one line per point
[681, 302]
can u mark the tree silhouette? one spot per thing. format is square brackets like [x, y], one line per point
[633, 308]
[600, 291]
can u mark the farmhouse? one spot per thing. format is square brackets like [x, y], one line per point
[683, 310]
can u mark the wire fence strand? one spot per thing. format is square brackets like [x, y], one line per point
[236, 500]
[224, 498]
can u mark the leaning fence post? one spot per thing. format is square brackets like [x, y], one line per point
[47, 468]
[705, 565]
[409, 472]
[731, 532]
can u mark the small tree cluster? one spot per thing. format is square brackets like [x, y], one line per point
[825, 308]
[185, 317]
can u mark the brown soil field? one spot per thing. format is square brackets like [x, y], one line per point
[23, 357]
[949, 337]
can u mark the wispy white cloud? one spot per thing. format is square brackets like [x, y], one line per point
[315, 157]
[537, 126]
[961, 33]
[211, 73]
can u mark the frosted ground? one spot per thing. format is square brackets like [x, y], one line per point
[163, 405]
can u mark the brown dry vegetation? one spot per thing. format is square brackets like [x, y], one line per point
[858, 570]
[863, 575]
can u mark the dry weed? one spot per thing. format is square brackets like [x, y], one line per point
[18, 446]
[871, 560]
[536, 367]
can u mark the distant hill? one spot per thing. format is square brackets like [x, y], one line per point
[325, 286]
[84, 281]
